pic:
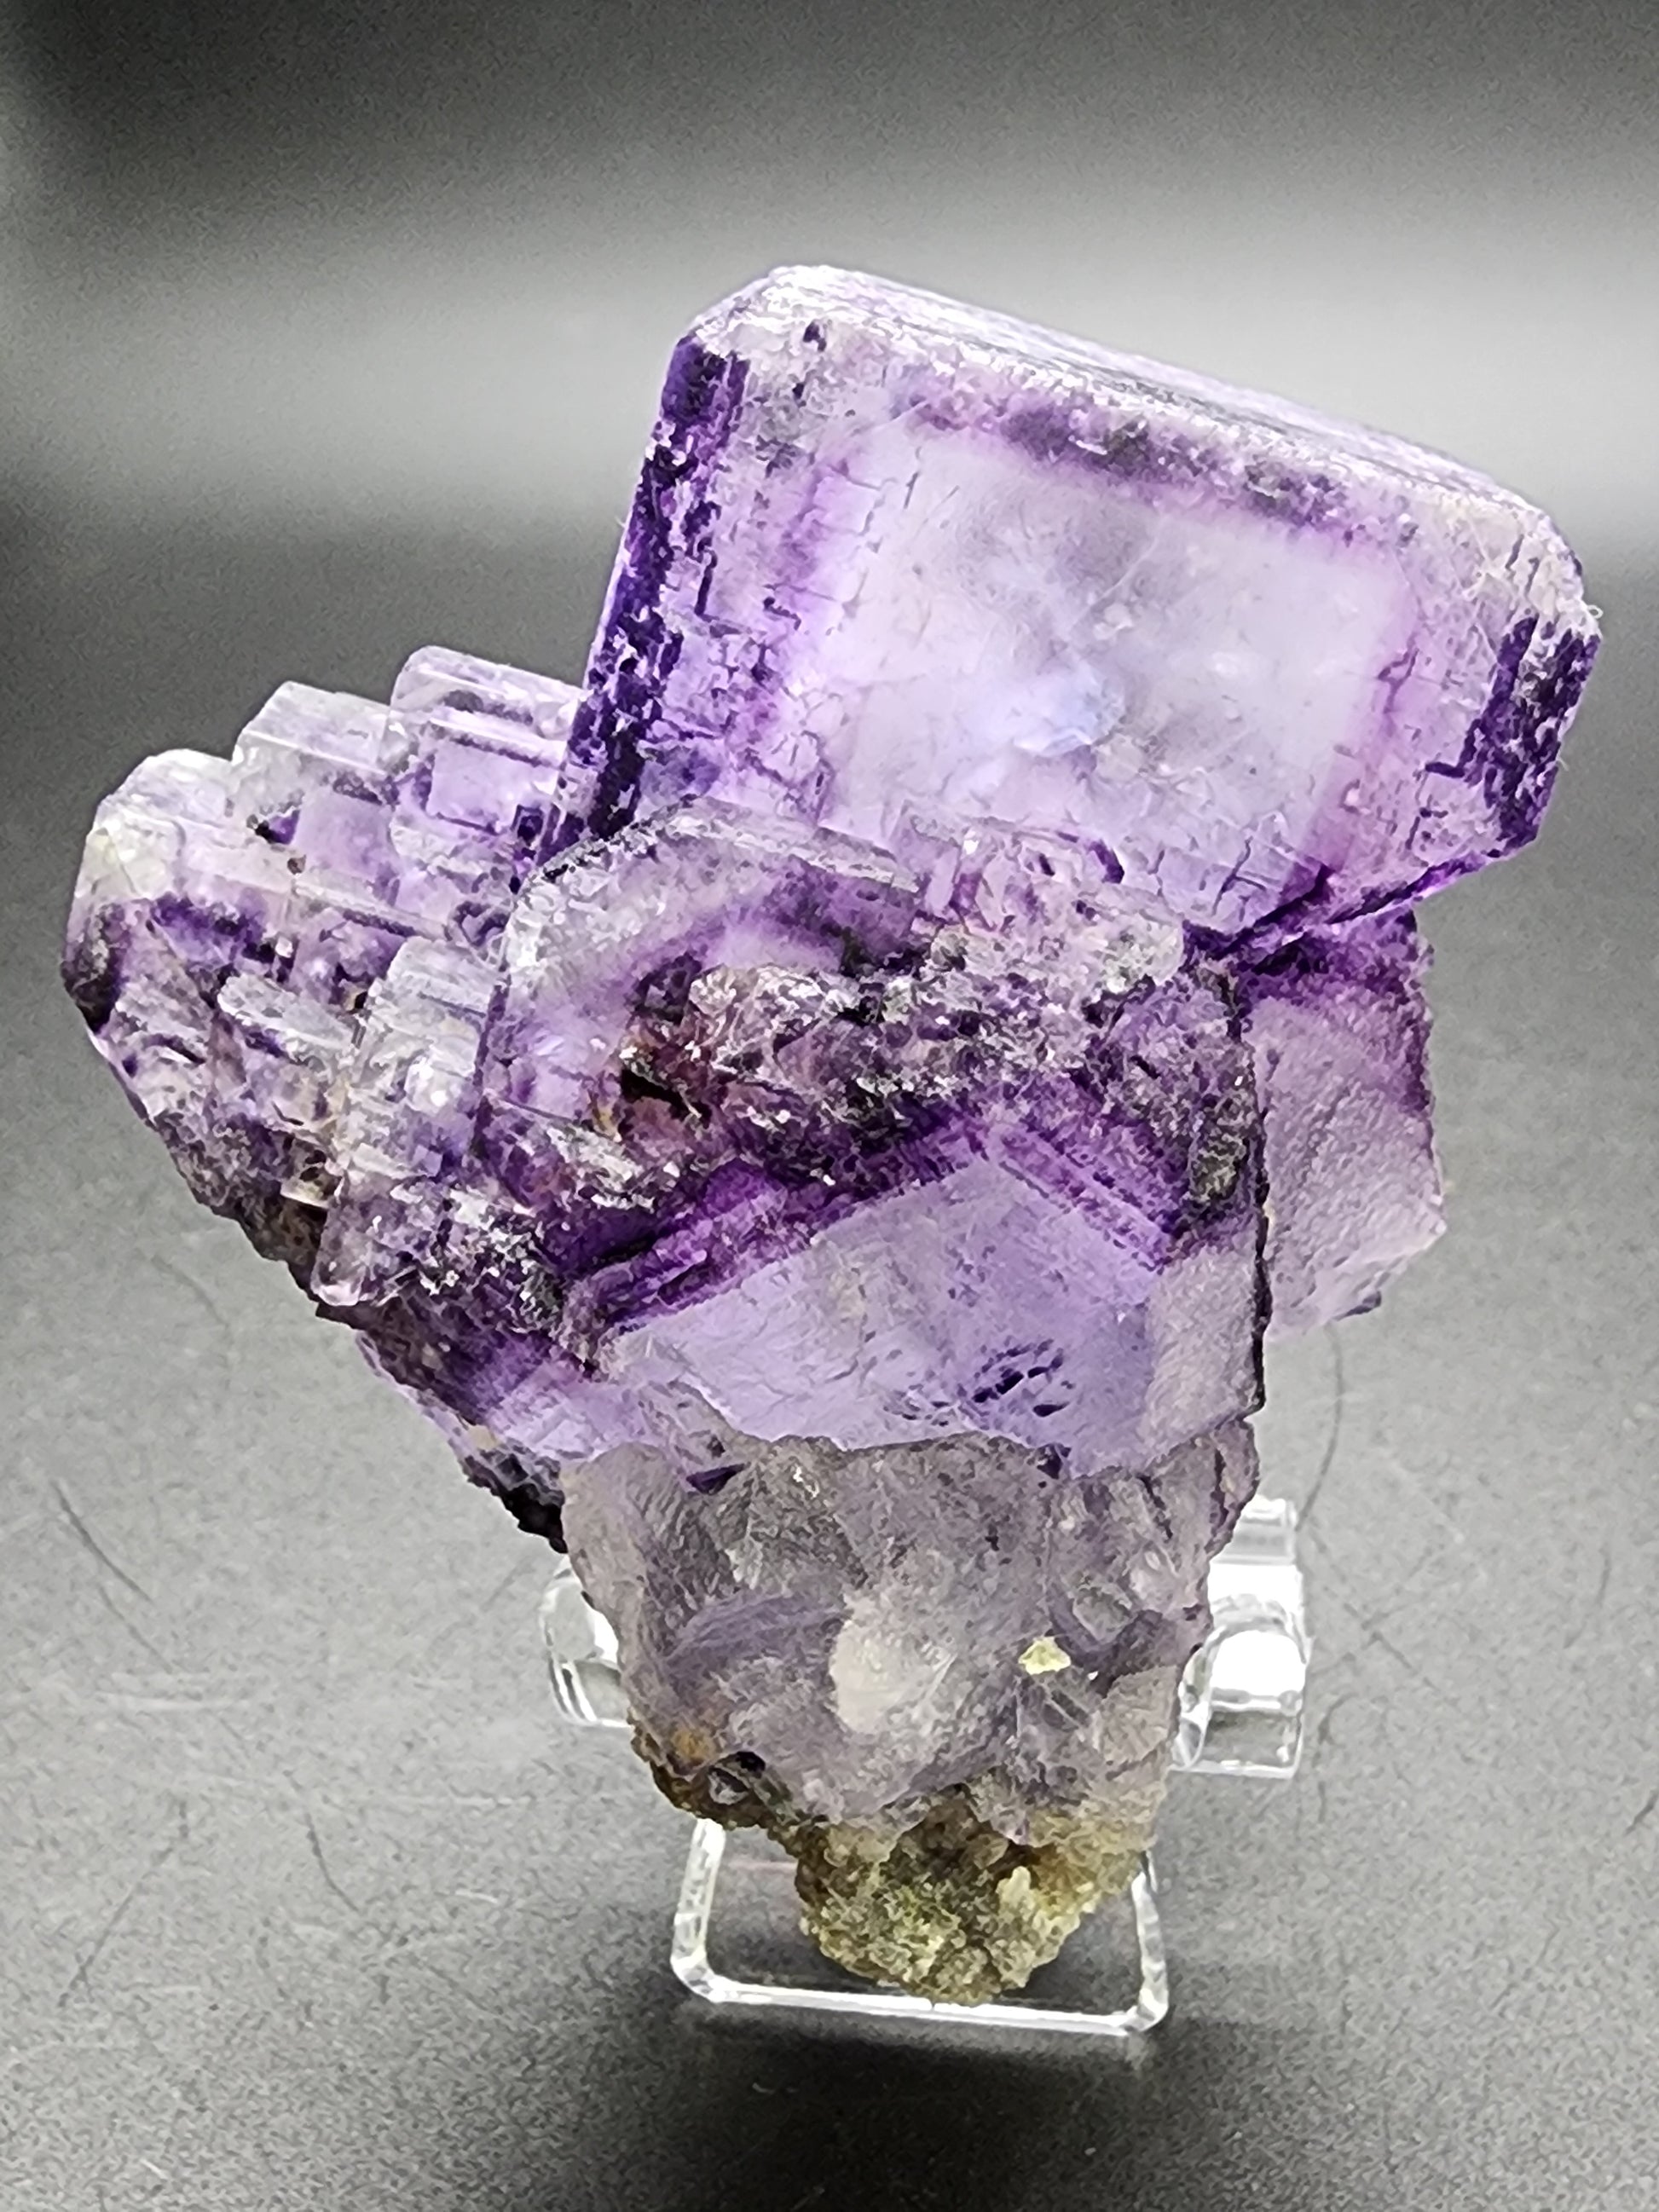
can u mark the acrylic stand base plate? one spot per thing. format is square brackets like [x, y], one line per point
[738, 1939]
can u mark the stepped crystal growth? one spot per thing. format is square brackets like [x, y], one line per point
[823, 1117]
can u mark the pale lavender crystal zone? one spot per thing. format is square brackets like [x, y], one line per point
[825, 1119]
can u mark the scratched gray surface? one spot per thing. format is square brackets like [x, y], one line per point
[308, 1903]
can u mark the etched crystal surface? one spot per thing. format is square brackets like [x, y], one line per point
[823, 1116]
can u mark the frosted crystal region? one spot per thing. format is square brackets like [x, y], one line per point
[823, 1114]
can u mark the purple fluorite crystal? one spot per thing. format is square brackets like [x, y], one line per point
[824, 1118]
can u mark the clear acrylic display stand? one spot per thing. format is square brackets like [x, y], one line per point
[1241, 1712]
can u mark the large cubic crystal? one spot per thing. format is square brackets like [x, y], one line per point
[823, 1117]
[899, 566]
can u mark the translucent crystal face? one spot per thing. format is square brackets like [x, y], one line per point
[823, 1117]
[1050, 652]
[900, 568]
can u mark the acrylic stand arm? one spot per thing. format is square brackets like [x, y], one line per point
[1241, 1712]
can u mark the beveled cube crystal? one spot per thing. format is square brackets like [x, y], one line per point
[899, 568]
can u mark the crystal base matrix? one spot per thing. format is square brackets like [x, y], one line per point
[737, 1938]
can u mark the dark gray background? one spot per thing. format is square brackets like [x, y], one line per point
[333, 330]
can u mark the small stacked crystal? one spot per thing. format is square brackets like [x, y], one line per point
[823, 1116]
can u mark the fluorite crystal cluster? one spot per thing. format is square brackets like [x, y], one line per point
[823, 1116]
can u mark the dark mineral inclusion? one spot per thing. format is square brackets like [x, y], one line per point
[822, 1115]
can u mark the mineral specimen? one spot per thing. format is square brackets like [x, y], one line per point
[823, 1117]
